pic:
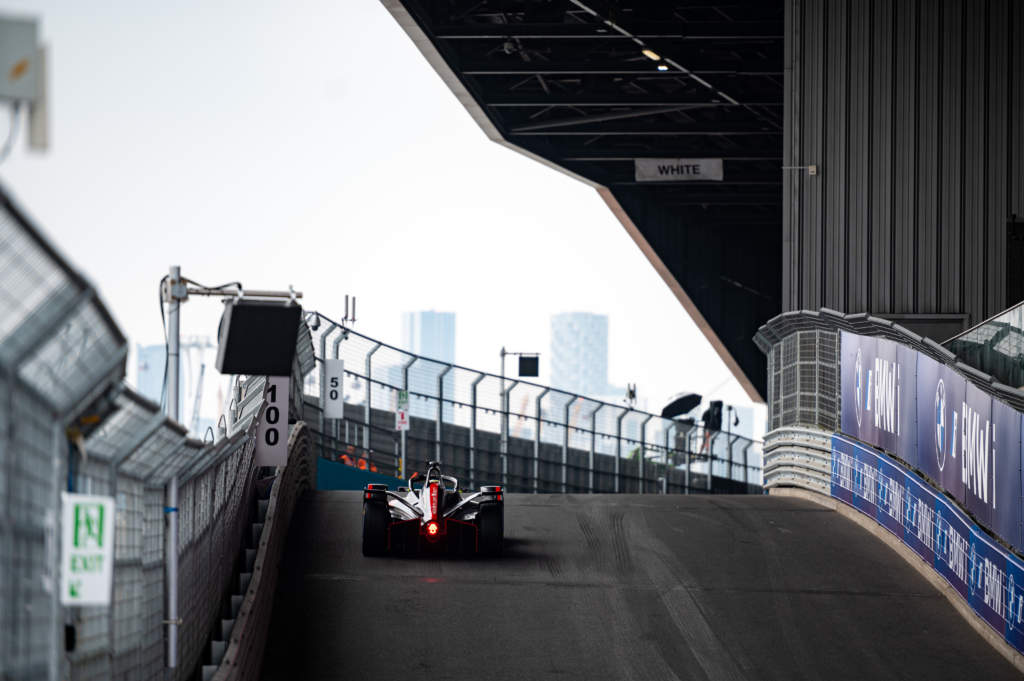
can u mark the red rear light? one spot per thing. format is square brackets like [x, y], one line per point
[499, 496]
[432, 528]
[369, 495]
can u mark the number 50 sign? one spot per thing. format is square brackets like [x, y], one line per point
[272, 434]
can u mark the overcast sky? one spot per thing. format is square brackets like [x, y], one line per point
[310, 143]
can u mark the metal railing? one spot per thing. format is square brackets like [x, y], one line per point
[530, 437]
[68, 422]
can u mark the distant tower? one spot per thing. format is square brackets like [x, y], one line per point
[579, 353]
[431, 335]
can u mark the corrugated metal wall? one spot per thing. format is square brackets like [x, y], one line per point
[913, 111]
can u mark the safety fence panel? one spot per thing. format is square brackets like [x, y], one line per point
[67, 422]
[491, 428]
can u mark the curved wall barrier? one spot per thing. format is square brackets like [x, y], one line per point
[988, 577]
[244, 655]
[931, 416]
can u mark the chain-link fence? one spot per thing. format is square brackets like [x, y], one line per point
[67, 422]
[527, 436]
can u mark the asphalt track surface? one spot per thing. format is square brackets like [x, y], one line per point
[619, 587]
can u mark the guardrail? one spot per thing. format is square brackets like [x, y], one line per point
[798, 457]
[530, 437]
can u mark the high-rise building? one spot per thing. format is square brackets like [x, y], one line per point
[430, 335]
[579, 353]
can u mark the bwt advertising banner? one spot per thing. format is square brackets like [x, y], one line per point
[989, 578]
[938, 422]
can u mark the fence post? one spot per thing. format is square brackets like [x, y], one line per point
[593, 447]
[536, 441]
[369, 397]
[440, 411]
[686, 479]
[618, 449]
[732, 441]
[337, 422]
[711, 458]
[565, 445]
[472, 431]
[404, 434]
[665, 467]
[643, 453]
[504, 429]
[746, 464]
[323, 382]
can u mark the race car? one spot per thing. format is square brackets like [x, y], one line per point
[433, 514]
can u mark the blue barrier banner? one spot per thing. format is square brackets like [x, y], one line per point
[865, 481]
[1006, 450]
[919, 518]
[989, 578]
[892, 481]
[940, 395]
[952, 545]
[878, 393]
[1015, 602]
[936, 421]
[977, 455]
[843, 462]
[987, 583]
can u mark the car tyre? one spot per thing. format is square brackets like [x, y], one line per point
[490, 520]
[375, 529]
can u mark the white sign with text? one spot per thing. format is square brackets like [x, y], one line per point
[87, 549]
[332, 391]
[272, 434]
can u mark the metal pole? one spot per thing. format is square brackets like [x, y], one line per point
[746, 465]
[504, 430]
[728, 439]
[536, 442]
[369, 397]
[440, 411]
[565, 445]
[472, 432]
[503, 448]
[593, 447]
[665, 467]
[323, 380]
[732, 440]
[404, 435]
[643, 452]
[618, 449]
[344, 419]
[686, 478]
[711, 458]
[171, 510]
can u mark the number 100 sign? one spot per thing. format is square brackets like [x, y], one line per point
[272, 434]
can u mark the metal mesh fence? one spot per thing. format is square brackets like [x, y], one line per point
[527, 436]
[803, 380]
[68, 422]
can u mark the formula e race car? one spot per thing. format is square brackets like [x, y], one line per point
[433, 514]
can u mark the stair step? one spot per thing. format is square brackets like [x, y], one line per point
[217, 650]
[236, 605]
[261, 509]
[225, 629]
[244, 580]
[209, 670]
[257, 530]
[250, 559]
